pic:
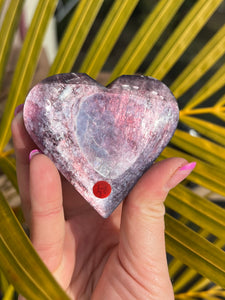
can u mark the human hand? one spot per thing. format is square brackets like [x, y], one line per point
[122, 257]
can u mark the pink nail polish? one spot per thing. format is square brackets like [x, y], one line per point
[18, 109]
[189, 166]
[180, 174]
[33, 153]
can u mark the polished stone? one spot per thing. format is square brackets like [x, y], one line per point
[102, 139]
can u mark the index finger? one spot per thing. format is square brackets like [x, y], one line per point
[23, 145]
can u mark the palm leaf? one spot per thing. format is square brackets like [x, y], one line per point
[200, 211]
[30, 276]
[7, 165]
[206, 58]
[209, 88]
[182, 241]
[206, 128]
[218, 109]
[184, 281]
[7, 31]
[1, 5]
[146, 37]
[184, 286]
[9, 294]
[200, 147]
[182, 37]
[107, 36]
[210, 294]
[204, 174]
[75, 35]
[4, 285]
[26, 66]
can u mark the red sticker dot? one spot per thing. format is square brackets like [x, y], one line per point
[102, 189]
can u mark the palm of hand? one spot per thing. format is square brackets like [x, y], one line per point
[122, 257]
[92, 257]
[99, 272]
[93, 239]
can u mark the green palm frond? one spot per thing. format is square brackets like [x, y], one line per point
[206, 128]
[7, 165]
[26, 65]
[203, 61]
[75, 35]
[1, 5]
[29, 276]
[195, 226]
[182, 37]
[107, 36]
[215, 83]
[7, 32]
[188, 284]
[9, 293]
[5, 287]
[146, 37]
[194, 145]
[191, 248]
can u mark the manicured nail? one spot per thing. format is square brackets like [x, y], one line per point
[18, 109]
[189, 166]
[180, 174]
[33, 153]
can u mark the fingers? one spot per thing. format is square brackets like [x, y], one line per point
[142, 247]
[47, 217]
[22, 145]
[41, 195]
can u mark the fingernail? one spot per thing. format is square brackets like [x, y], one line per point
[180, 174]
[189, 166]
[33, 153]
[18, 109]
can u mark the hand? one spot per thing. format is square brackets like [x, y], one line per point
[122, 257]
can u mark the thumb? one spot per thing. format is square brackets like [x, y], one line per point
[142, 243]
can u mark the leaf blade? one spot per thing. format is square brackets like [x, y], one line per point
[204, 174]
[30, 276]
[26, 66]
[75, 36]
[182, 37]
[197, 209]
[146, 37]
[213, 153]
[107, 36]
[212, 52]
[2, 2]
[9, 169]
[7, 31]
[195, 251]
[206, 128]
[209, 88]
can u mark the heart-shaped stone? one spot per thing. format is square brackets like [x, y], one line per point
[101, 139]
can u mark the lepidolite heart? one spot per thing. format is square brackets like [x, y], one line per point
[101, 139]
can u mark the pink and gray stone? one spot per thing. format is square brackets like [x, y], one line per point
[102, 139]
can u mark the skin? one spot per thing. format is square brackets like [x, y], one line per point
[122, 257]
